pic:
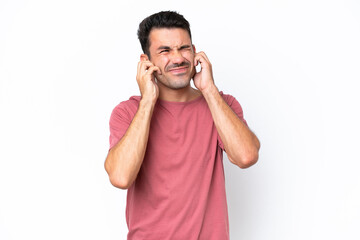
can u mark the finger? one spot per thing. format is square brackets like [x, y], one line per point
[153, 69]
[138, 69]
[199, 59]
[204, 56]
[144, 65]
[196, 59]
[157, 69]
[141, 69]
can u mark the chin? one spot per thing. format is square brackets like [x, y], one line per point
[177, 83]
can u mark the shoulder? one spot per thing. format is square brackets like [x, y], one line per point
[126, 109]
[234, 105]
[131, 103]
[229, 99]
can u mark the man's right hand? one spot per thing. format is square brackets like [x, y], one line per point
[146, 80]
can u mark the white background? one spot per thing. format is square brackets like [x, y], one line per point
[293, 65]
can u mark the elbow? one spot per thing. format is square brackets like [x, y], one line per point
[119, 182]
[247, 160]
[116, 179]
[247, 156]
[251, 157]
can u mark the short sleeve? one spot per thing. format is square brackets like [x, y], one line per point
[120, 120]
[237, 109]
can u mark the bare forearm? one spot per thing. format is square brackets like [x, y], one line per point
[125, 158]
[240, 144]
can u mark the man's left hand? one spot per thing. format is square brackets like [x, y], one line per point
[203, 80]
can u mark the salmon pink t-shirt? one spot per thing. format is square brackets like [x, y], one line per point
[179, 192]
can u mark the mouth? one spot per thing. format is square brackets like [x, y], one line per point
[179, 70]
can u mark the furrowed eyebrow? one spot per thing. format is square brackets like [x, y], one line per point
[164, 48]
[185, 46]
[168, 48]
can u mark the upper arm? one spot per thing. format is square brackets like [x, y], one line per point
[120, 120]
[236, 108]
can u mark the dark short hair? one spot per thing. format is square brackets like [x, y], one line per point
[164, 19]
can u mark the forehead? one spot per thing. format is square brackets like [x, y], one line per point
[171, 37]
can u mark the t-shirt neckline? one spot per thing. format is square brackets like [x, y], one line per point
[164, 102]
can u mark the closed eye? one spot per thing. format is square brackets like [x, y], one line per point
[186, 47]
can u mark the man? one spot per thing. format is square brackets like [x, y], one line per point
[166, 145]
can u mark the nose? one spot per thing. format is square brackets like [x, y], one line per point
[177, 57]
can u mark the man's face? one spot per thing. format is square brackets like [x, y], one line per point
[171, 50]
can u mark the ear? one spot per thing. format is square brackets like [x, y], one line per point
[194, 48]
[144, 57]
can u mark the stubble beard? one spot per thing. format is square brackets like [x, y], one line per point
[176, 84]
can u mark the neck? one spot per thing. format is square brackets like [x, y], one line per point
[179, 95]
